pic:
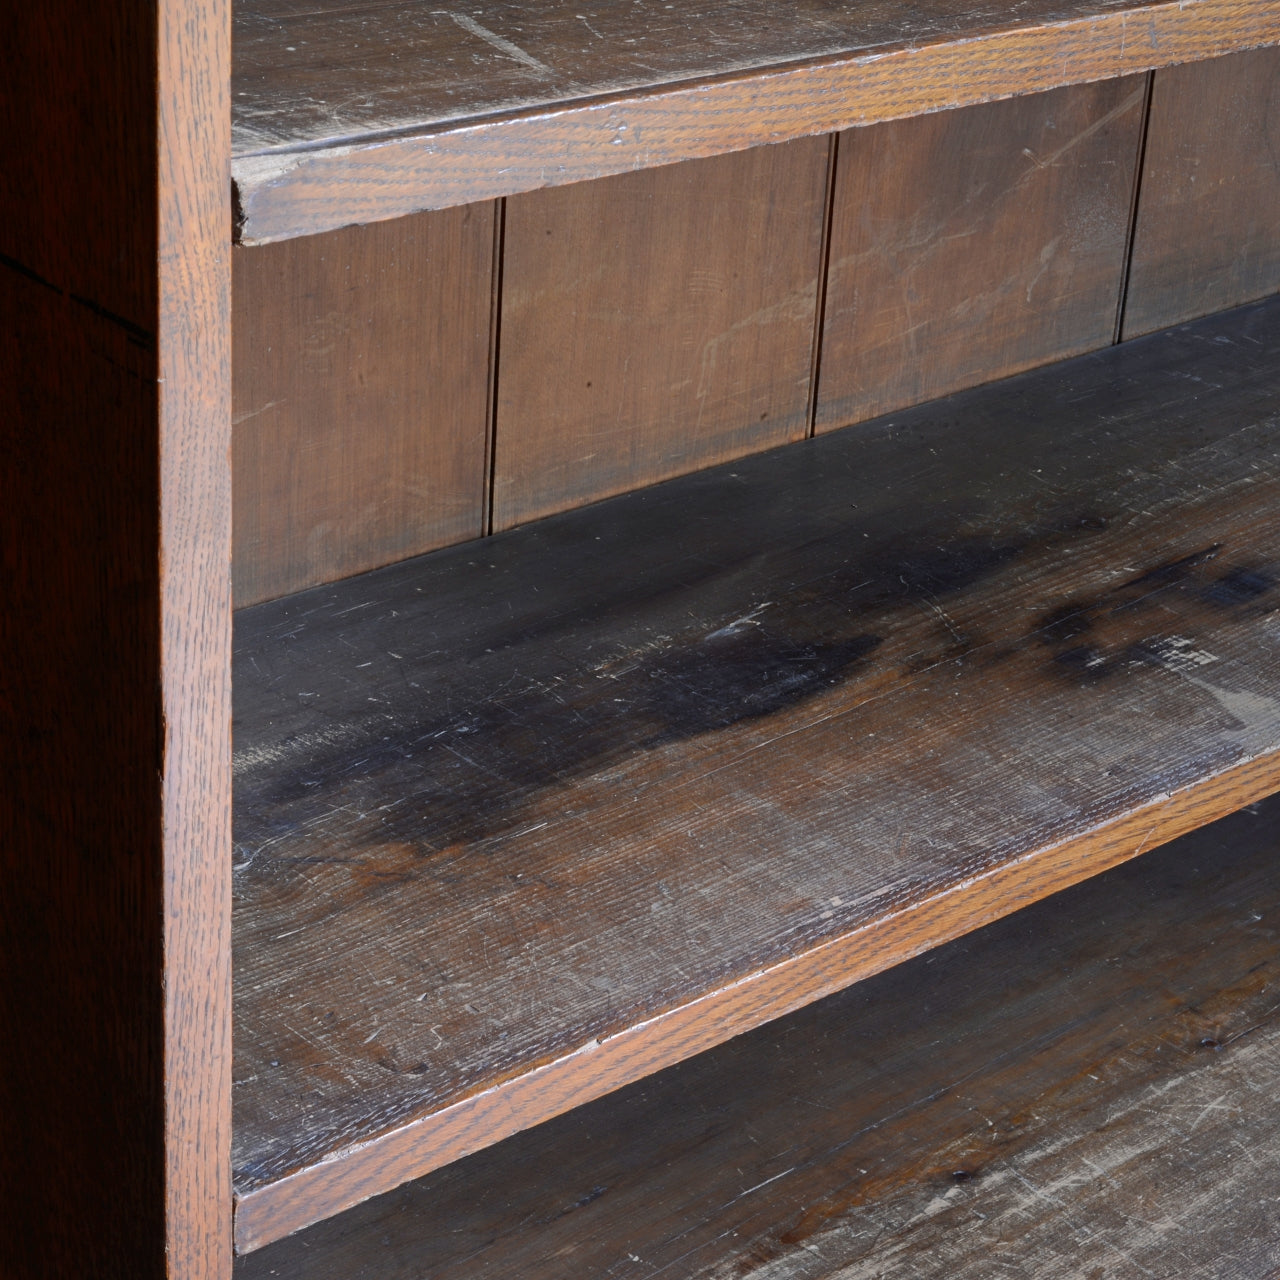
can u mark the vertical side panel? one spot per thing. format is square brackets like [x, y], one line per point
[1208, 228]
[114, 850]
[194, 143]
[972, 244]
[361, 377]
[655, 323]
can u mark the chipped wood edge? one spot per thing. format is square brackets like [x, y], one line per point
[599, 1067]
[302, 192]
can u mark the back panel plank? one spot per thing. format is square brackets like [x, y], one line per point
[1208, 228]
[972, 244]
[654, 323]
[361, 367]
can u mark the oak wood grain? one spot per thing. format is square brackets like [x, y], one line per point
[1208, 228]
[595, 795]
[115, 742]
[969, 245]
[639, 340]
[1079, 1090]
[419, 111]
[361, 398]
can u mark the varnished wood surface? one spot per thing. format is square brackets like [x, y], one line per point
[969, 245]
[524, 820]
[654, 323]
[1083, 1089]
[360, 427]
[1208, 228]
[114, 699]
[353, 113]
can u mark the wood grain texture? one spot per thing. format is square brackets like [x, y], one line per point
[600, 793]
[1080, 1090]
[422, 111]
[1207, 235]
[361, 398]
[641, 339]
[973, 244]
[115, 743]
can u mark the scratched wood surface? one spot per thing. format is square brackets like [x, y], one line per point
[360, 402]
[1083, 1089]
[969, 245]
[346, 113]
[1208, 229]
[639, 341]
[115, 760]
[523, 820]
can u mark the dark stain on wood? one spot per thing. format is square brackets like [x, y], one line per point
[544, 788]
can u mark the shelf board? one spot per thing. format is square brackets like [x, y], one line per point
[353, 112]
[1084, 1088]
[524, 820]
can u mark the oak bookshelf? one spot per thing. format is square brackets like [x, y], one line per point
[681, 513]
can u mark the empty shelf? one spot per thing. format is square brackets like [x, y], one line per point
[351, 112]
[1083, 1089]
[524, 820]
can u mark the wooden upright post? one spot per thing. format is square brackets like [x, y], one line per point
[114, 667]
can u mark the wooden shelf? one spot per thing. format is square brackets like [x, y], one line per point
[353, 112]
[1085, 1088]
[507, 832]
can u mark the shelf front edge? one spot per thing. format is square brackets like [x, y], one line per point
[368, 1169]
[302, 192]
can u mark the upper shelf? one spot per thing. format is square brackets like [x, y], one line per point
[351, 111]
[526, 819]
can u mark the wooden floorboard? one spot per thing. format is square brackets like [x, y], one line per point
[1082, 1090]
[524, 820]
[350, 112]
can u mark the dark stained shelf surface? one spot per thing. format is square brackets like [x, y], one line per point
[1084, 1089]
[348, 112]
[524, 820]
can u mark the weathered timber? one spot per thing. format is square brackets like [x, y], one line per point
[524, 820]
[1083, 1089]
[360, 398]
[970, 245]
[639, 341]
[1207, 234]
[115, 700]
[348, 113]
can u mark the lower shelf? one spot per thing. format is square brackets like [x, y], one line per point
[1083, 1089]
[523, 821]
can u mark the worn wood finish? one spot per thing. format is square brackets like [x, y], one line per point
[114, 747]
[1082, 1089]
[1208, 229]
[351, 114]
[595, 795]
[640, 341]
[361, 398]
[969, 245]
